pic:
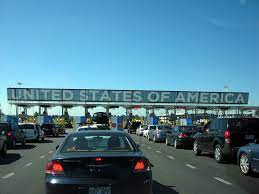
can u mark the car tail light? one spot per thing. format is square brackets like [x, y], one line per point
[98, 159]
[54, 167]
[9, 134]
[182, 135]
[227, 136]
[141, 166]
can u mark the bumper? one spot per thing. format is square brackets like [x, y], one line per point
[229, 151]
[255, 164]
[185, 142]
[64, 185]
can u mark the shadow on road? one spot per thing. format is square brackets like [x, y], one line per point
[9, 158]
[60, 136]
[163, 189]
[24, 147]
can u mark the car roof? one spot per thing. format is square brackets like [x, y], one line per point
[99, 132]
[27, 124]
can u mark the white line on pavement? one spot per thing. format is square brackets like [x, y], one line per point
[171, 157]
[137, 142]
[190, 166]
[28, 164]
[149, 148]
[8, 175]
[50, 151]
[42, 157]
[222, 180]
[143, 144]
[158, 152]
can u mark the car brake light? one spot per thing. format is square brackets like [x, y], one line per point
[9, 134]
[98, 159]
[182, 135]
[227, 136]
[54, 167]
[140, 166]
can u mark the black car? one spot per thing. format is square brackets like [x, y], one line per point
[106, 162]
[100, 118]
[51, 129]
[224, 136]
[181, 136]
[133, 127]
[13, 133]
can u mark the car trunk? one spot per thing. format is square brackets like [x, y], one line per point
[99, 167]
[243, 131]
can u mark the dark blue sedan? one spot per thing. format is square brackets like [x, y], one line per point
[98, 162]
[248, 158]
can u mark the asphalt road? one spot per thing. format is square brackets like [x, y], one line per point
[179, 171]
[175, 171]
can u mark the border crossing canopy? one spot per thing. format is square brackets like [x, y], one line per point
[125, 96]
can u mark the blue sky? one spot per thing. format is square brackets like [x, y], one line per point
[130, 44]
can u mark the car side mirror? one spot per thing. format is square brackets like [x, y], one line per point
[57, 147]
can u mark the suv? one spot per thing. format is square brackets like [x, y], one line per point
[224, 136]
[13, 133]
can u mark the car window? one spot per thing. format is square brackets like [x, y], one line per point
[152, 127]
[104, 143]
[4, 127]
[214, 125]
[187, 128]
[244, 124]
[26, 126]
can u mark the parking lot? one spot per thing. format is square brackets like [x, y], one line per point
[174, 171]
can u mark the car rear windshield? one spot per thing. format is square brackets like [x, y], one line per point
[188, 128]
[3, 126]
[244, 124]
[27, 126]
[101, 143]
[152, 127]
[164, 127]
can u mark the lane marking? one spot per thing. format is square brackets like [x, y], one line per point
[42, 157]
[149, 148]
[137, 142]
[171, 157]
[190, 166]
[143, 144]
[158, 152]
[8, 175]
[50, 152]
[29, 164]
[222, 180]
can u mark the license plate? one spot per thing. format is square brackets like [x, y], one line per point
[249, 137]
[100, 190]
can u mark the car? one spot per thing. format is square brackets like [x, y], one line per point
[106, 162]
[32, 131]
[248, 158]
[3, 142]
[140, 129]
[223, 137]
[13, 133]
[133, 127]
[158, 133]
[181, 136]
[145, 131]
[100, 118]
[50, 129]
[93, 127]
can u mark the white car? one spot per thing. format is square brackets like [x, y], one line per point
[145, 132]
[32, 131]
[140, 129]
